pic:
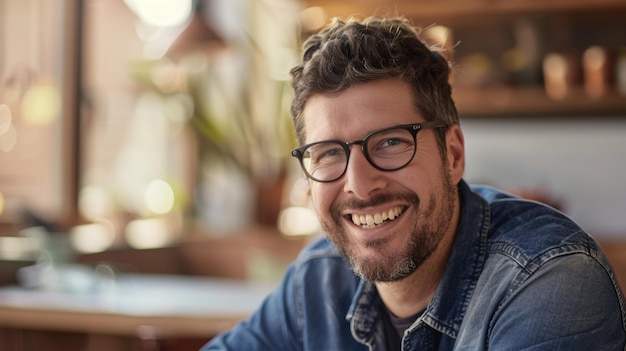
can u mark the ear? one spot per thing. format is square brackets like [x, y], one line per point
[455, 145]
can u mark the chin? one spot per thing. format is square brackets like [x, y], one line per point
[381, 268]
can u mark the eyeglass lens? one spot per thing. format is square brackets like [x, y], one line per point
[386, 150]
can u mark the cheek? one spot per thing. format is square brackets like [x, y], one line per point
[425, 182]
[417, 178]
[322, 196]
[427, 169]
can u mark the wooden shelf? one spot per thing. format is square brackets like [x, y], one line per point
[433, 9]
[528, 102]
[474, 23]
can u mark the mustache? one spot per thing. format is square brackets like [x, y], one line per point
[337, 208]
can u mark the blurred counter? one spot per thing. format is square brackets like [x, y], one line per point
[133, 306]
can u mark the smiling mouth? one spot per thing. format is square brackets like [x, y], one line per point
[372, 220]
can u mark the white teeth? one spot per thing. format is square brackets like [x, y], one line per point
[369, 221]
[378, 218]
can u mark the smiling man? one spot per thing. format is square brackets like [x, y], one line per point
[414, 258]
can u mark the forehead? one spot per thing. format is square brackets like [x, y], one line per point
[359, 110]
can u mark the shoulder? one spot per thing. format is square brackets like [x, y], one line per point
[537, 257]
[532, 240]
[529, 229]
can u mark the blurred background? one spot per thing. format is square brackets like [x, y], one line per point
[153, 137]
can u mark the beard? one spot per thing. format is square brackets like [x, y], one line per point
[424, 236]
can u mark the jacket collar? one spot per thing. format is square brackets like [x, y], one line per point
[447, 309]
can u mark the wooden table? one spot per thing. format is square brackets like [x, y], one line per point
[143, 307]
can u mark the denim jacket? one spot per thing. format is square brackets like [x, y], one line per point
[521, 276]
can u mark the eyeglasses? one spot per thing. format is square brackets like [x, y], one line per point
[387, 149]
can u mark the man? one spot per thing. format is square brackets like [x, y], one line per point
[415, 258]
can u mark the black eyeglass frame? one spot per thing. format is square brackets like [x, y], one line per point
[413, 128]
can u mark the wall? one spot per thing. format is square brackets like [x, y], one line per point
[579, 161]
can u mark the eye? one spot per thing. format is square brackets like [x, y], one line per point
[391, 142]
[326, 153]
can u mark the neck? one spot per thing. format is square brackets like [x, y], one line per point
[411, 295]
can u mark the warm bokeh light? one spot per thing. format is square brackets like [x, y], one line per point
[294, 221]
[147, 233]
[17, 248]
[442, 38]
[162, 13]
[94, 202]
[312, 18]
[439, 35]
[1, 204]
[159, 197]
[10, 248]
[41, 104]
[94, 237]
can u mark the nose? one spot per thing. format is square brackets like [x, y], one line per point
[361, 178]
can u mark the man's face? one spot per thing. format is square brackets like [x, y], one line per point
[421, 197]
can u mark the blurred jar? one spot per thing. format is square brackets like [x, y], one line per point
[560, 74]
[597, 71]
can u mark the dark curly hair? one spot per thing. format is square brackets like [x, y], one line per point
[350, 52]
